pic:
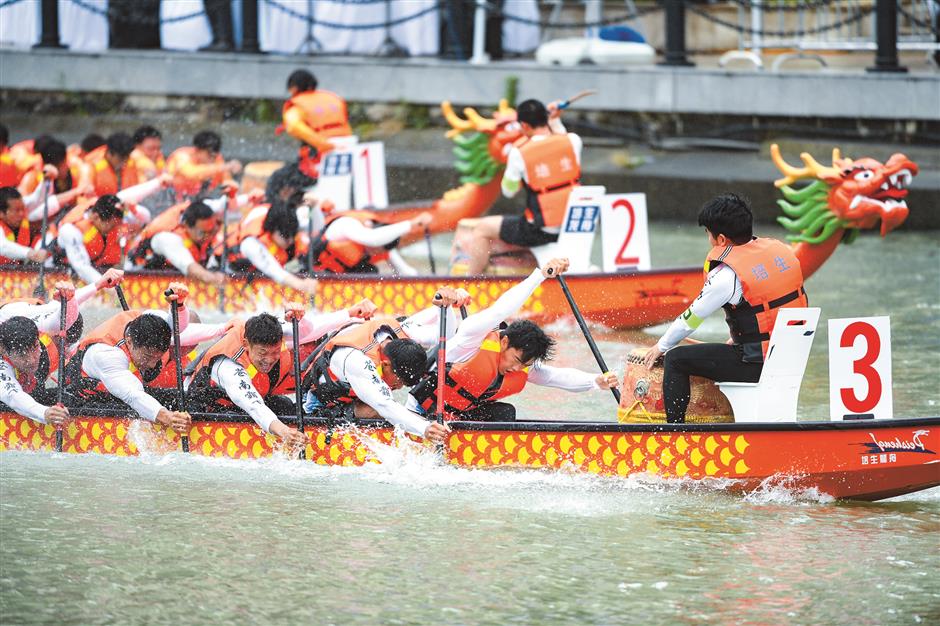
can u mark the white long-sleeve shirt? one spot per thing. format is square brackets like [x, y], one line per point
[70, 239]
[12, 395]
[230, 376]
[351, 229]
[13, 250]
[46, 316]
[255, 251]
[112, 367]
[170, 246]
[35, 202]
[354, 367]
[721, 287]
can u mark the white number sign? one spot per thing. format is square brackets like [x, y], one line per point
[625, 235]
[370, 190]
[860, 368]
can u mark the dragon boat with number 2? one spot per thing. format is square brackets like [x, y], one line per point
[838, 201]
[858, 460]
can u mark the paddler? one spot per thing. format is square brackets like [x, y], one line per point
[70, 178]
[147, 155]
[251, 369]
[111, 167]
[15, 238]
[117, 363]
[10, 174]
[355, 242]
[93, 241]
[26, 359]
[265, 241]
[354, 372]
[547, 163]
[752, 279]
[488, 360]
[313, 117]
[200, 168]
[181, 237]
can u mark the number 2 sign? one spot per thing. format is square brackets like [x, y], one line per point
[860, 368]
[625, 235]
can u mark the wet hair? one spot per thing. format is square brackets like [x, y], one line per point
[108, 207]
[120, 145]
[531, 340]
[18, 334]
[53, 152]
[302, 80]
[196, 211]
[281, 219]
[145, 132]
[4, 135]
[91, 142]
[7, 194]
[533, 113]
[730, 215]
[41, 141]
[74, 332]
[149, 331]
[263, 329]
[408, 359]
[287, 176]
[208, 141]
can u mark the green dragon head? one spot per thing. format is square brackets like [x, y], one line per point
[480, 143]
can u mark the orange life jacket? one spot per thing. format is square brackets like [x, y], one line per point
[25, 157]
[771, 279]
[169, 221]
[552, 171]
[142, 163]
[471, 383]
[361, 336]
[326, 114]
[103, 250]
[253, 226]
[10, 174]
[105, 180]
[110, 333]
[21, 236]
[186, 186]
[279, 381]
[339, 257]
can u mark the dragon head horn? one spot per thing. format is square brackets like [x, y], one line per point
[457, 125]
[811, 168]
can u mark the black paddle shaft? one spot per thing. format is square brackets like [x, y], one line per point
[298, 399]
[178, 358]
[63, 304]
[586, 332]
[40, 290]
[441, 365]
[427, 239]
[120, 294]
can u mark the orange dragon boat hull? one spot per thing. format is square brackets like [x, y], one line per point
[624, 300]
[860, 460]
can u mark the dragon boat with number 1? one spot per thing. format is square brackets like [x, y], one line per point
[859, 460]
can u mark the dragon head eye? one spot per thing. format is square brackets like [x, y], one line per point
[864, 175]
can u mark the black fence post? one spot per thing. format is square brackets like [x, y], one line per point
[674, 14]
[886, 33]
[250, 27]
[50, 25]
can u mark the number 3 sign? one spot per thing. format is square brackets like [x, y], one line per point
[860, 368]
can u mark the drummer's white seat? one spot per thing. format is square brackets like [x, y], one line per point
[774, 397]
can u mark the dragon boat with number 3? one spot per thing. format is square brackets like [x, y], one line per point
[858, 460]
[833, 205]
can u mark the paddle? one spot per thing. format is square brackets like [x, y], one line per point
[309, 239]
[295, 328]
[564, 104]
[427, 239]
[59, 391]
[585, 330]
[224, 264]
[40, 290]
[120, 294]
[441, 358]
[177, 357]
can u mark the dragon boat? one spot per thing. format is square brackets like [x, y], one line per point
[856, 460]
[836, 202]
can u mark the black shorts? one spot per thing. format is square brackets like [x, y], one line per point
[518, 231]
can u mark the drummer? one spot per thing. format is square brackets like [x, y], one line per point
[314, 117]
[488, 360]
[547, 163]
[751, 278]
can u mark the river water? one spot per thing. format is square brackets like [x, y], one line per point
[178, 539]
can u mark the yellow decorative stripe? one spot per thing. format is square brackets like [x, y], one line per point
[90, 234]
[491, 346]
[252, 370]
[101, 165]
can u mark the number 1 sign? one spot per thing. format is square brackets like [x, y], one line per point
[860, 368]
[370, 189]
[625, 236]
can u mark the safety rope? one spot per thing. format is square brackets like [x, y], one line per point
[788, 7]
[607, 21]
[383, 24]
[918, 22]
[8, 3]
[852, 19]
[137, 18]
